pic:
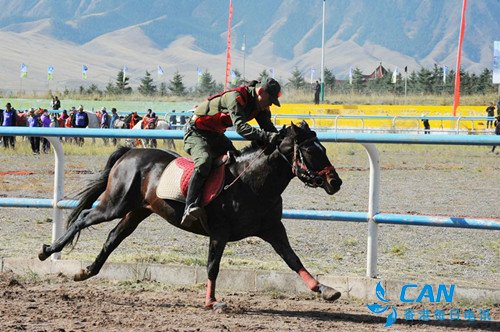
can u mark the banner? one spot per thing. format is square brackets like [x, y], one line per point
[313, 71]
[50, 73]
[200, 73]
[85, 69]
[350, 75]
[228, 52]
[445, 73]
[496, 63]
[124, 70]
[234, 79]
[395, 76]
[271, 72]
[456, 99]
[24, 70]
[160, 71]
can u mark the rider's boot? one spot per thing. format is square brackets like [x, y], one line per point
[194, 211]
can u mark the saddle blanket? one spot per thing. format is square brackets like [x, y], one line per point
[174, 181]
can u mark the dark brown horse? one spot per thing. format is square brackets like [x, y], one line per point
[251, 206]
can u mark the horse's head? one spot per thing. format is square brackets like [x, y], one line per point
[309, 160]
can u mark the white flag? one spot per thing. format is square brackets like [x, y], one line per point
[271, 71]
[313, 71]
[445, 73]
[395, 76]
[124, 72]
[350, 75]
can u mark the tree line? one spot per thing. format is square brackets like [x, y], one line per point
[424, 81]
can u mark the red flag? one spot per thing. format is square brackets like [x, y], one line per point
[228, 53]
[456, 99]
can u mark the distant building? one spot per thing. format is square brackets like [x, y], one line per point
[379, 72]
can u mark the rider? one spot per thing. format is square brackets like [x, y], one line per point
[204, 139]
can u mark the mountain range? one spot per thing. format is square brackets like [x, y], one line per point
[106, 35]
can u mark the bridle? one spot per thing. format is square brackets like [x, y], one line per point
[299, 166]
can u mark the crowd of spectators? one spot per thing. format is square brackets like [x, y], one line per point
[76, 118]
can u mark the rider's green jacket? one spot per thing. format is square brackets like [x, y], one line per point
[234, 108]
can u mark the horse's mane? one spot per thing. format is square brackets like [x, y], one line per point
[250, 148]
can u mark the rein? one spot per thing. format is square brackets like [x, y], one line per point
[226, 187]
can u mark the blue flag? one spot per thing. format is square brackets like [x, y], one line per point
[24, 70]
[160, 71]
[50, 72]
[85, 69]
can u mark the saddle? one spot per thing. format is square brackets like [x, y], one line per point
[174, 181]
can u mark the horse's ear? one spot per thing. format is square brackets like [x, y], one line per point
[304, 125]
[294, 129]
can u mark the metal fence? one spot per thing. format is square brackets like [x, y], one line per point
[372, 217]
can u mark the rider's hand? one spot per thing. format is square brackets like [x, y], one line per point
[272, 138]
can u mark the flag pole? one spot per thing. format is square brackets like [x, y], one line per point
[323, 56]
[228, 52]
[244, 49]
[456, 99]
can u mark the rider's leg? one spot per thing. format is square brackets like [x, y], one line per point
[199, 150]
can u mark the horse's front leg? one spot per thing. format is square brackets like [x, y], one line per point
[215, 251]
[279, 240]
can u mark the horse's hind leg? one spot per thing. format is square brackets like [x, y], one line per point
[124, 228]
[89, 217]
[279, 241]
[86, 218]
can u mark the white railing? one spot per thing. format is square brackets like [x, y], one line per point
[373, 217]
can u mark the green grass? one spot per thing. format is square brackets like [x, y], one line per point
[398, 250]
[137, 102]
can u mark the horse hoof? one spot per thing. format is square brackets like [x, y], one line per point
[42, 255]
[328, 293]
[83, 275]
[219, 307]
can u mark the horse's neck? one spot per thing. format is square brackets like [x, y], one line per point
[265, 174]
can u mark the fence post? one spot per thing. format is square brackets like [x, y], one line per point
[373, 209]
[57, 222]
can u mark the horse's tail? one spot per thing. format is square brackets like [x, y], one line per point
[95, 188]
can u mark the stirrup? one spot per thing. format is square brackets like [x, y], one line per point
[192, 214]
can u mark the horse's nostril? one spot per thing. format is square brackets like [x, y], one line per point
[319, 181]
[336, 183]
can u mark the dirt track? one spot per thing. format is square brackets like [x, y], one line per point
[59, 304]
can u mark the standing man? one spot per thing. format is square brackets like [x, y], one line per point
[56, 103]
[172, 121]
[205, 140]
[104, 118]
[45, 121]
[9, 120]
[114, 117]
[81, 120]
[33, 122]
[490, 112]
[317, 91]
